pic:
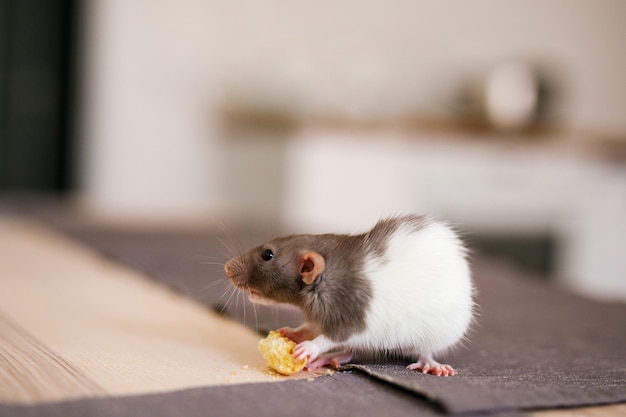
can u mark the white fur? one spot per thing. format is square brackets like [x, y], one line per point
[422, 293]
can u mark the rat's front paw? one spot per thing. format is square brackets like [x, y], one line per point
[335, 360]
[297, 335]
[306, 350]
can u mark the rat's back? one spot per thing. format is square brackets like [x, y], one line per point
[422, 288]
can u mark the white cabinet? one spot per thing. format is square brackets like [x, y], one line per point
[347, 181]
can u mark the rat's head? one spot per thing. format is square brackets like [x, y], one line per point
[276, 271]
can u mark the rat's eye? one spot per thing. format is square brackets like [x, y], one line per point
[267, 255]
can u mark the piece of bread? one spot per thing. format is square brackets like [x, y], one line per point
[277, 351]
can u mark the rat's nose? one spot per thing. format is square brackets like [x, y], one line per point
[227, 269]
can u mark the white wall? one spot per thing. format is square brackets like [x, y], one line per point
[155, 71]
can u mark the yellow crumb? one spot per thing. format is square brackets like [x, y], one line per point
[277, 351]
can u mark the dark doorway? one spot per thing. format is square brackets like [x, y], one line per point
[37, 80]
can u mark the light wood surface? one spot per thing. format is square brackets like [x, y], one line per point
[73, 324]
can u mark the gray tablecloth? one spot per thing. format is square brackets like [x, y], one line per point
[533, 347]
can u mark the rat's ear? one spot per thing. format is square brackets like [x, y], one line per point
[312, 264]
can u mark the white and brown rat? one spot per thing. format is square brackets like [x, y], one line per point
[403, 286]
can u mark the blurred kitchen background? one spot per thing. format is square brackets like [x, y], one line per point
[507, 118]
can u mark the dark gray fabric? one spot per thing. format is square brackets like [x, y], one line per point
[532, 347]
[320, 396]
[344, 394]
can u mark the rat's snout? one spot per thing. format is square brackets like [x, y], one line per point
[234, 271]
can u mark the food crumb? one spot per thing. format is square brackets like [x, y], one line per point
[244, 367]
[311, 379]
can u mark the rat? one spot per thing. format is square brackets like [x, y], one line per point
[404, 286]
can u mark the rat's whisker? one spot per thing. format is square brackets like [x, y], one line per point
[212, 285]
[233, 292]
[244, 308]
[230, 290]
[201, 257]
[230, 250]
[237, 297]
[211, 263]
[226, 256]
[256, 318]
[232, 243]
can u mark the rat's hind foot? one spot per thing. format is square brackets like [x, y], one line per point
[427, 365]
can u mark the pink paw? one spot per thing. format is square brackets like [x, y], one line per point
[335, 361]
[307, 349]
[432, 367]
[320, 362]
